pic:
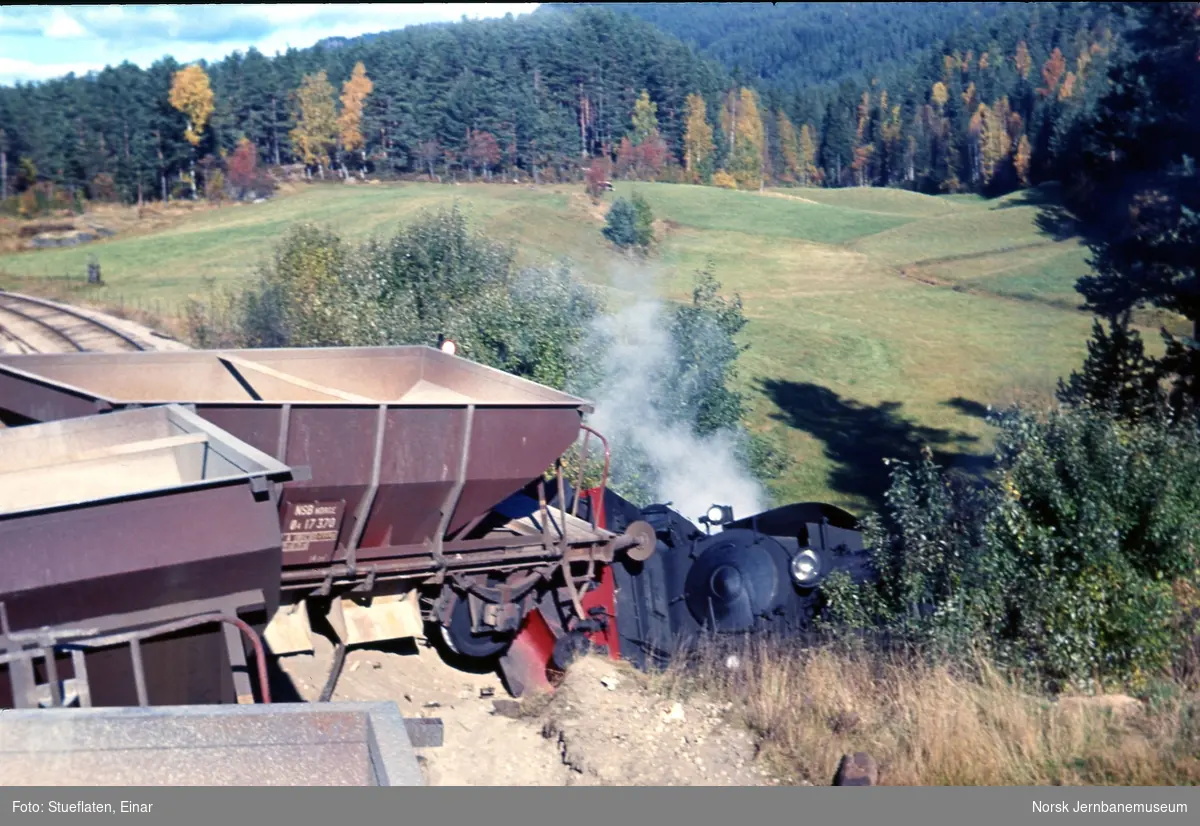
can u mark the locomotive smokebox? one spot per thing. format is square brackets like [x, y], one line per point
[759, 574]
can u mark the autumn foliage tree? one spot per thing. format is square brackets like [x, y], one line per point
[1022, 160]
[1022, 61]
[697, 140]
[808, 156]
[483, 152]
[741, 121]
[626, 158]
[597, 177]
[354, 93]
[316, 121]
[1052, 72]
[241, 166]
[649, 151]
[192, 95]
[789, 148]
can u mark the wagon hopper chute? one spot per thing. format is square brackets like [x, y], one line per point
[427, 499]
[136, 549]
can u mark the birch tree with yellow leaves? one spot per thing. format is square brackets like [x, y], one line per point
[697, 140]
[316, 129]
[742, 123]
[192, 95]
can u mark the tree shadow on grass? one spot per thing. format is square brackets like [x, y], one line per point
[969, 407]
[1047, 194]
[859, 437]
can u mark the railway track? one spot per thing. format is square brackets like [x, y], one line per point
[34, 325]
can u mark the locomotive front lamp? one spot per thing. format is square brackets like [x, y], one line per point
[718, 515]
[447, 346]
[806, 567]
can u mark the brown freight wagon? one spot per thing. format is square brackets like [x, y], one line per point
[426, 500]
[134, 547]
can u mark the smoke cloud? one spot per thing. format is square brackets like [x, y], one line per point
[636, 368]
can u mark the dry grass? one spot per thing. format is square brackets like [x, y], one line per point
[930, 726]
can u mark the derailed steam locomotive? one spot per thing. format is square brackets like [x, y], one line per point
[756, 575]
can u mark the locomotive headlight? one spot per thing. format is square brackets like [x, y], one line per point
[806, 567]
[717, 515]
[449, 346]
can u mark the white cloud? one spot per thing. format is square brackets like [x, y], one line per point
[62, 25]
[40, 42]
[13, 70]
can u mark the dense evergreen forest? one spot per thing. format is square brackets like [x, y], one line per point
[794, 46]
[989, 107]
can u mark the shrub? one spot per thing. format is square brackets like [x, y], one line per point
[597, 176]
[1070, 565]
[103, 188]
[723, 179]
[308, 291]
[620, 225]
[433, 277]
[643, 220]
[214, 187]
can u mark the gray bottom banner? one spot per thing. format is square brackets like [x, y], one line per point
[603, 806]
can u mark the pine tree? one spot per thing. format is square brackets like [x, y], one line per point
[1142, 194]
[620, 225]
[1117, 377]
[643, 220]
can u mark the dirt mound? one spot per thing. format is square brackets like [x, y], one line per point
[613, 729]
[605, 725]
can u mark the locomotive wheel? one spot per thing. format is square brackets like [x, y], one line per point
[461, 641]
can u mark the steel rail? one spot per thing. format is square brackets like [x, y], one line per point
[5, 295]
[5, 307]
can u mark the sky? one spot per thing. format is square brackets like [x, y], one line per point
[40, 42]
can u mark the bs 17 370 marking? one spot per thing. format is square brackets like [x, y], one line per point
[312, 527]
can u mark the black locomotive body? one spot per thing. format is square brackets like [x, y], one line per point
[760, 574]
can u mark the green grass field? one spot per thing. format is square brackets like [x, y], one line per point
[879, 319]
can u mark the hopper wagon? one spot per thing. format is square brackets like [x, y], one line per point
[136, 551]
[427, 490]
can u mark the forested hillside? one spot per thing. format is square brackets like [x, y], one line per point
[986, 109]
[794, 46]
[545, 90]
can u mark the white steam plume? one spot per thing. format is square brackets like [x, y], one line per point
[635, 353]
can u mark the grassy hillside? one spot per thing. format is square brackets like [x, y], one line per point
[879, 319]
